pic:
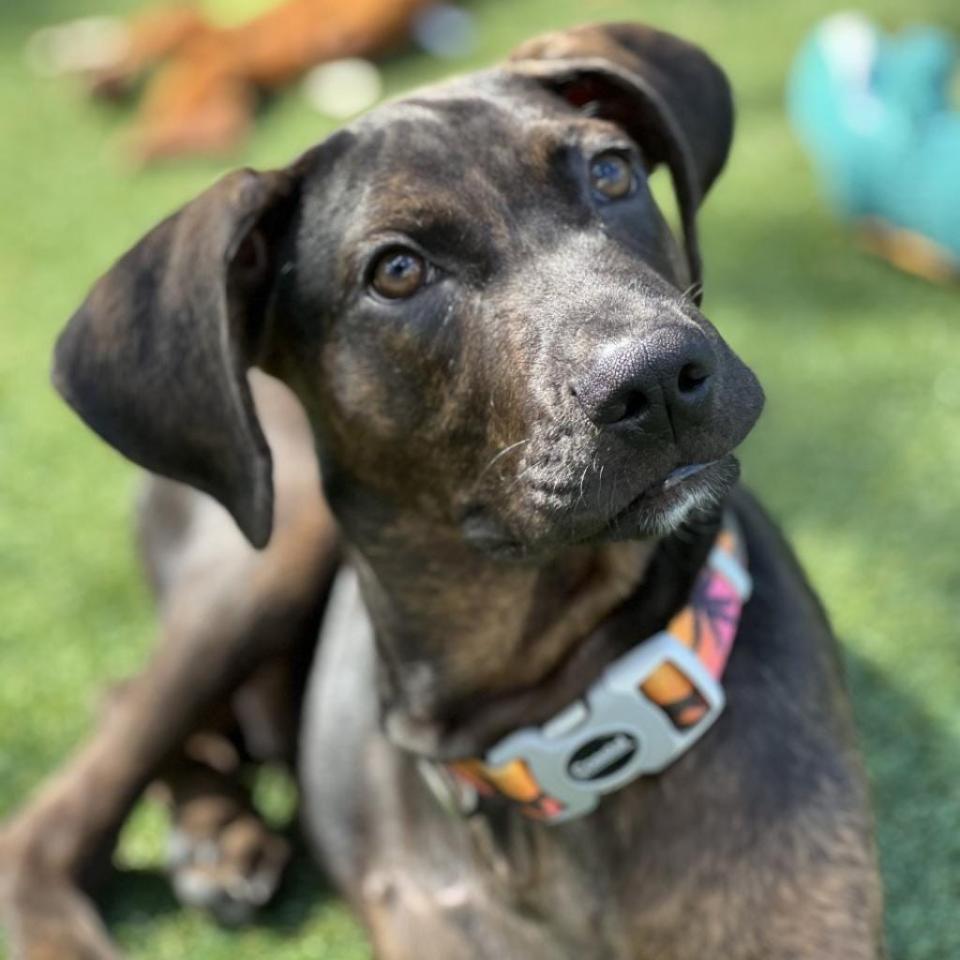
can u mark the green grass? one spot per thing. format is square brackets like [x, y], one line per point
[858, 453]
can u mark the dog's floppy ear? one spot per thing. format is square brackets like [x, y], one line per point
[156, 359]
[669, 95]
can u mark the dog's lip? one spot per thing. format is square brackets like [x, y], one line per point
[684, 473]
[671, 490]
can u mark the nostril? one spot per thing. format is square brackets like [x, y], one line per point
[606, 407]
[635, 404]
[692, 378]
[623, 407]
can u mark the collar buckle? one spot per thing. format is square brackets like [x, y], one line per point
[613, 735]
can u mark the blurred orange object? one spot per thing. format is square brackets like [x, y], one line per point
[203, 96]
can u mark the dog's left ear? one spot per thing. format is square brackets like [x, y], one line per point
[671, 98]
[156, 358]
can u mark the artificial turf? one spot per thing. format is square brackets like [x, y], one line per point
[858, 453]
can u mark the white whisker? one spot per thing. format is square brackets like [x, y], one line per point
[502, 453]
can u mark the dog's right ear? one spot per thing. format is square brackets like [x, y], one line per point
[156, 359]
[666, 93]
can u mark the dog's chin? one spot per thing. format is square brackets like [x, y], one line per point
[655, 511]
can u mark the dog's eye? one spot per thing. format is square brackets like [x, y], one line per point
[611, 175]
[398, 274]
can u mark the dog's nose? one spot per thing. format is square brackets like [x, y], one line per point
[632, 380]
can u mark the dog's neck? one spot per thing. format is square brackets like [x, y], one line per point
[460, 633]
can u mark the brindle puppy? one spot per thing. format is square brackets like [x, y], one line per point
[499, 350]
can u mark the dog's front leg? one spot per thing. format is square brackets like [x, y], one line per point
[211, 644]
[49, 850]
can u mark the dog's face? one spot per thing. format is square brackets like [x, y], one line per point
[473, 293]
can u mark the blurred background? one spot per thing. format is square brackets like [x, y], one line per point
[858, 453]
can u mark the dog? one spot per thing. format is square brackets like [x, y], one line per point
[573, 696]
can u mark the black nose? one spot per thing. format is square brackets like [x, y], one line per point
[633, 382]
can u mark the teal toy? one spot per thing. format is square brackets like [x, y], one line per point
[874, 112]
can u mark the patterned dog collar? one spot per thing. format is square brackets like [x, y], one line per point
[644, 712]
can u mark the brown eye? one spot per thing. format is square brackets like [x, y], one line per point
[399, 274]
[611, 175]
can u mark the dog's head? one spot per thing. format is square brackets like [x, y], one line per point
[474, 295]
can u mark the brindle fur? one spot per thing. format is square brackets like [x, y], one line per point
[484, 504]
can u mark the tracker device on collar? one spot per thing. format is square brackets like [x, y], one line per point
[646, 710]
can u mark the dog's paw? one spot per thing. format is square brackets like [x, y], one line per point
[230, 869]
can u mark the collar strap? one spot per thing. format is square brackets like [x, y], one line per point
[645, 711]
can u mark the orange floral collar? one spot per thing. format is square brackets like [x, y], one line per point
[644, 712]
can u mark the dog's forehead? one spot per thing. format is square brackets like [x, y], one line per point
[473, 99]
[482, 147]
[489, 120]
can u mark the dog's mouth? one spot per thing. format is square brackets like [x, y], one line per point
[663, 505]
[656, 510]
